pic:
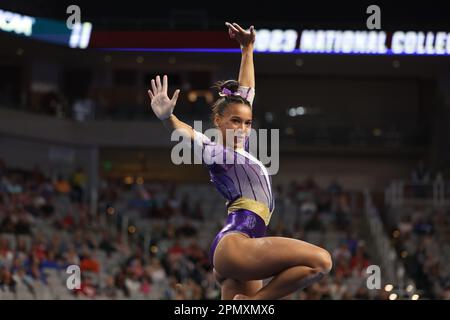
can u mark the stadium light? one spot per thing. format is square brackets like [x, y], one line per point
[388, 287]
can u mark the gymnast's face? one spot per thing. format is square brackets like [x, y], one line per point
[237, 118]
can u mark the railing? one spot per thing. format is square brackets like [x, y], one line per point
[385, 252]
[435, 194]
[392, 269]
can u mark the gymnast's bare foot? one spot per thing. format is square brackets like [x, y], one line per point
[241, 297]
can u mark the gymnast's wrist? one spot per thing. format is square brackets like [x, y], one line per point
[167, 118]
[248, 48]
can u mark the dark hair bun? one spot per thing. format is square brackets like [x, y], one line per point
[231, 85]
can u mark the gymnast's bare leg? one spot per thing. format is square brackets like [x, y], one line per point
[293, 264]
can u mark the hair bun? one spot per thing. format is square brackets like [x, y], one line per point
[231, 85]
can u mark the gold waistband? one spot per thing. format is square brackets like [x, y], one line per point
[255, 206]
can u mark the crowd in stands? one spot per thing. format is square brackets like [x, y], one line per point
[422, 239]
[150, 240]
[420, 233]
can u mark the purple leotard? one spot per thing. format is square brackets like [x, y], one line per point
[244, 221]
[244, 177]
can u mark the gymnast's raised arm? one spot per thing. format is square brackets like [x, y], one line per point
[246, 39]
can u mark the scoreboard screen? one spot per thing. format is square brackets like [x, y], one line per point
[47, 30]
[377, 42]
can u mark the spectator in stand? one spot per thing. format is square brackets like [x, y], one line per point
[197, 212]
[106, 244]
[71, 257]
[342, 219]
[78, 184]
[66, 223]
[62, 186]
[195, 253]
[315, 223]
[359, 262]
[322, 289]
[87, 288]
[405, 226]
[185, 207]
[186, 229]
[35, 272]
[6, 253]
[88, 263]
[120, 284]
[420, 177]
[338, 287]
[83, 109]
[334, 188]
[12, 184]
[50, 261]
[7, 282]
[342, 252]
[342, 267]
[352, 241]
[157, 272]
[146, 286]
[109, 289]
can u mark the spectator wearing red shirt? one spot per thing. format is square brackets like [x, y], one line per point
[359, 262]
[89, 264]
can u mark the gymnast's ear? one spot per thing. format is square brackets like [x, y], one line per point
[216, 120]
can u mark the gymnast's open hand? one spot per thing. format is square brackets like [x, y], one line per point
[161, 104]
[244, 37]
